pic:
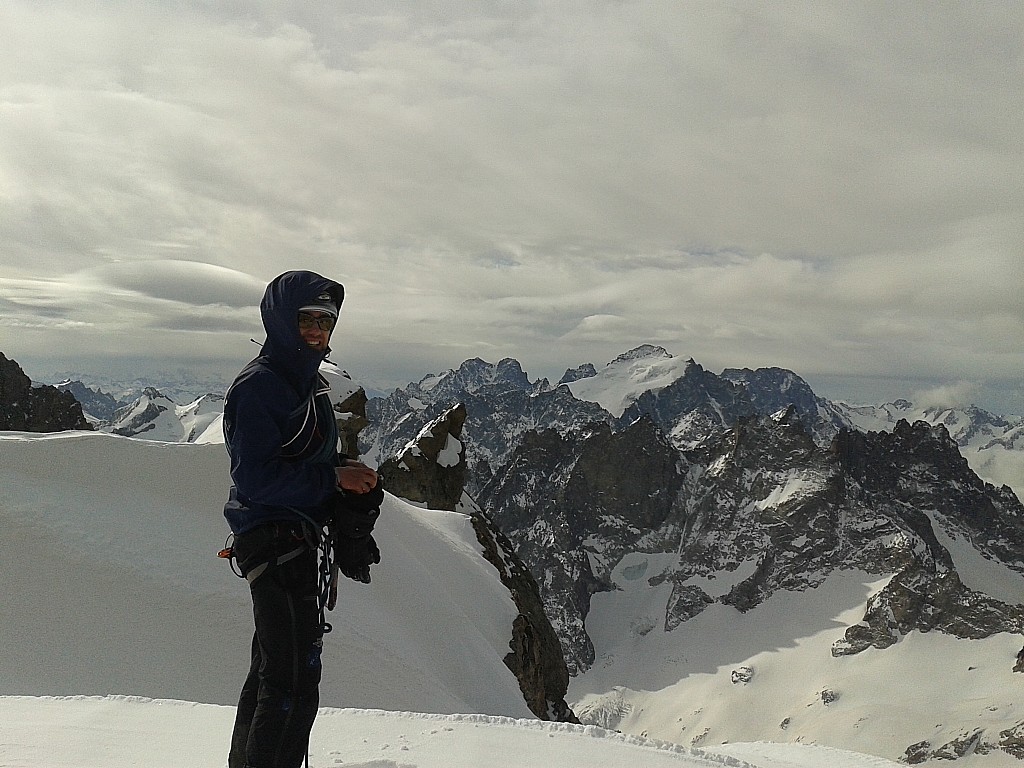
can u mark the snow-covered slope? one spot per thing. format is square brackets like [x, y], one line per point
[118, 732]
[153, 415]
[769, 674]
[112, 585]
[199, 416]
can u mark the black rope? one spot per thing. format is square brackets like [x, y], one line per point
[319, 537]
[326, 569]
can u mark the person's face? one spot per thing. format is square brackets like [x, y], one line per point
[315, 329]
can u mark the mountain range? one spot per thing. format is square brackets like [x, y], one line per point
[646, 380]
[656, 502]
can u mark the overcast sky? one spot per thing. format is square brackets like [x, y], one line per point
[836, 188]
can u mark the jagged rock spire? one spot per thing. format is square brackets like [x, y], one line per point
[431, 469]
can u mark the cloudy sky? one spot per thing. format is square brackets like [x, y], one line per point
[831, 187]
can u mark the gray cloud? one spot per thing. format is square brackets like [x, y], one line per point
[832, 187]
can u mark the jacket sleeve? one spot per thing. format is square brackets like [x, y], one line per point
[258, 413]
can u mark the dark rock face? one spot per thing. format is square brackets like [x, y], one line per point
[695, 406]
[916, 477]
[584, 371]
[770, 390]
[432, 469]
[97, 404]
[536, 655]
[1011, 740]
[556, 494]
[967, 744]
[763, 494]
[24, 408]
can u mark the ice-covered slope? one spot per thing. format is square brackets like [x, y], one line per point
[112, 585]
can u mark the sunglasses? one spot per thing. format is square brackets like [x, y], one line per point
[307, 321]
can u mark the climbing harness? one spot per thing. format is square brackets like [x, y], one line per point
[314, 538]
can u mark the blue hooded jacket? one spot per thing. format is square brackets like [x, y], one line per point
[279, 427]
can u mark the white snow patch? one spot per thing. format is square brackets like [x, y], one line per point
[721, 583]
[794, 486]
[449, 455]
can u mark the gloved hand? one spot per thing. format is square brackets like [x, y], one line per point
[359, 502]
[354, 556]
[353, 516]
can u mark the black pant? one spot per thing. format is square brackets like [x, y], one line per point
[280, 697]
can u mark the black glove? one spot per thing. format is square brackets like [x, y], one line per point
[355, 556]
[358, 502]
[353, 516]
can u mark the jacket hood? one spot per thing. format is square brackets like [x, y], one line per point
[284, 346]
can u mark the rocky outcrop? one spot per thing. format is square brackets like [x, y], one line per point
[351, 418]
[24, 408]
[917, 482]
[1011, 740]
[536, 656]
[974, 742]
[431, 470]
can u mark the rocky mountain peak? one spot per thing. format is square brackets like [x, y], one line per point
[144, 415]
[97, 405]
[641, 352]
[25, 408]
[763, 507]
[557, 495]
[693, 406]
[584, 371]
[476, 373]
